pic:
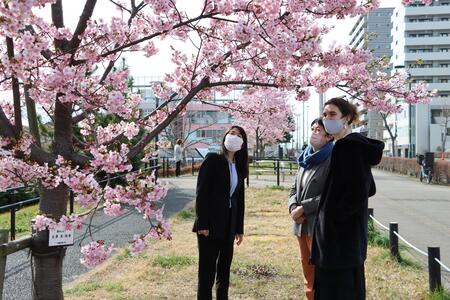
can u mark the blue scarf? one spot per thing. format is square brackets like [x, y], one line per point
[309, 158]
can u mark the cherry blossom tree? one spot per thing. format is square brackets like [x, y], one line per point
[265, 114]
[70, 74]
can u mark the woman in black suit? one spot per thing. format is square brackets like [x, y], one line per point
[219, 211]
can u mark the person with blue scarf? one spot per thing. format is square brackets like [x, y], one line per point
[305, 195]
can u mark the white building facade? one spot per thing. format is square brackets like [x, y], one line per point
[373, 32]
[421, 47]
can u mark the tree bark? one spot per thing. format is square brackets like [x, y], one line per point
[48, 261]
[391, 135]
[32, 116]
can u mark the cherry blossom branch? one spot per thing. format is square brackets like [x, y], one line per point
[146, 38]
[81, 26]
[15, 88]
[181, 105]
[121, 6]
[58, 21]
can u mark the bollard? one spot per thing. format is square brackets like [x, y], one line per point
[278, 172]
[192, 164]
[434, 269]
[393, 240]
[3, 240]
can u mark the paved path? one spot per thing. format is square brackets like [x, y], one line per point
[422, 212]
[118, 230]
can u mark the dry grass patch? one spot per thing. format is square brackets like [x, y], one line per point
[266, 266]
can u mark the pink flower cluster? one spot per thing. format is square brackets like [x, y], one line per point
[42, 222]
[95, 253]
[265, 114]
[111, 161]
[138, 244]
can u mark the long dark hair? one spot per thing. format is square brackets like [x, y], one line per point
[241, 156]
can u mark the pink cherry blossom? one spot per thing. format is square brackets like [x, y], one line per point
[95, 253]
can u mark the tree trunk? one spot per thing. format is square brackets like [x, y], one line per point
[47, 261]
[394, 151]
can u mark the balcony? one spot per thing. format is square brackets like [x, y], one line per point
[427, 10]
[440, 101]
[429, 41]
[429, 72]
[427, 56]
[430, 25]
[439, 86]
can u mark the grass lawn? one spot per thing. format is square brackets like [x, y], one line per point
[266, 266]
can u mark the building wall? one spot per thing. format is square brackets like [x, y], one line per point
[373, 32]
[421, 45]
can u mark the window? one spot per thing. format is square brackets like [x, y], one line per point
[445, 80]
[437, 116]
[444, 19]
[443, 34]
[443, 50]
[443, 65]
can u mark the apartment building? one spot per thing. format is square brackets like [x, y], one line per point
[421, 47]
[373, 32]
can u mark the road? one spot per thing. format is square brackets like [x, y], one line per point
[118, 230]
[422, 212]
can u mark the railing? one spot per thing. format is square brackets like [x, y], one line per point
[166, 163]
[433, 255]
[274, 166]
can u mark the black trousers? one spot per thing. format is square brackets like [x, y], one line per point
[340, 284]
[214, 263]
[178, 168]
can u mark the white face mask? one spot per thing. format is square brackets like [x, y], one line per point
[233, 143]
[317, 140]
[334, 126]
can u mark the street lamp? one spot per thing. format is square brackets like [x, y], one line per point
[410, 144]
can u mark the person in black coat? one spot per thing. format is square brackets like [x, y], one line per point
[339, 246]
[219, 209]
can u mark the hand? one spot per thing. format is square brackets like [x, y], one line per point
[204, 232]
[297, 213]
[239, 238]
[300, 220]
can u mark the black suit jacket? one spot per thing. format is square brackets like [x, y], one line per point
[212, 203]
[340, 230]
